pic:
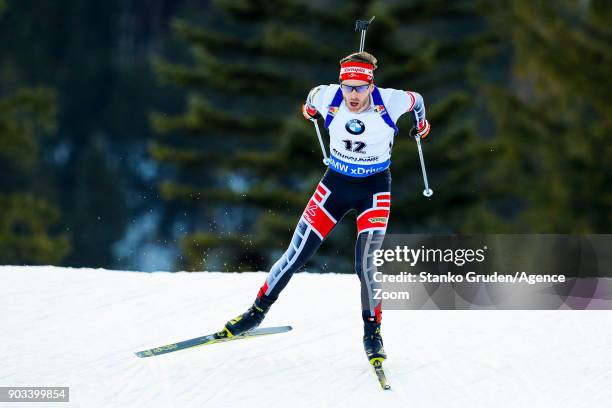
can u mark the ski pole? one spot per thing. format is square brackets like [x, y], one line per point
[428, 192]
[325, 158]
[362, 25]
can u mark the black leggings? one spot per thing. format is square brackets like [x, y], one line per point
[335, 195]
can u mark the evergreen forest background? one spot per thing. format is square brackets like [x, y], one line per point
[167, 135]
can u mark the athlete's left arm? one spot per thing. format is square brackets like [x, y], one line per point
[401, 102]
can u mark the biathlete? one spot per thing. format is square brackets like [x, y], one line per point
[361, 119]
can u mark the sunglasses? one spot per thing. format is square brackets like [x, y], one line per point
[358, 88]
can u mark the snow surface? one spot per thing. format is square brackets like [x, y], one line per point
[80, 327]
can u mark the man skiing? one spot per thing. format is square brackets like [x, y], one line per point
[361, 119]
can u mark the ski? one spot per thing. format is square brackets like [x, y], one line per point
[210, 339]
[380, 373]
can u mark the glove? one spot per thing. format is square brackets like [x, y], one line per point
[310, 113]
[423, 129]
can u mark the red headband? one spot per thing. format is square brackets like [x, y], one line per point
[361, 71]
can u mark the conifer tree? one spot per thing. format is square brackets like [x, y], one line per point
[28, 221]
[552, 170]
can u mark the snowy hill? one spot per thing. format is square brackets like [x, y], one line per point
[80, 327]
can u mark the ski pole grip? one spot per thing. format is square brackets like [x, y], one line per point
[362, 25]
[413, 132]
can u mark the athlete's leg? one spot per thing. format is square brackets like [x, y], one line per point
[323, 211]
[326, 206]
[372, 218]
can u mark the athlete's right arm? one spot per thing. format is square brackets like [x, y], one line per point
[313, 106]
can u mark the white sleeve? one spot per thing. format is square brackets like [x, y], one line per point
[315, 98]
[401, 102]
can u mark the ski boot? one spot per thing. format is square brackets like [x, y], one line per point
[246, 321]
[373, 343]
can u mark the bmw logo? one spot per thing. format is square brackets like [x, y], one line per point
[355, 127]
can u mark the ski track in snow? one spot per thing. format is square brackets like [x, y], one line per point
[80, 328]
